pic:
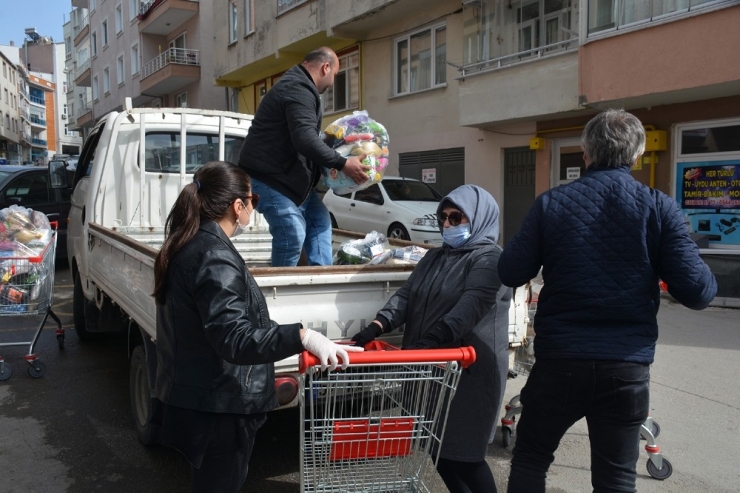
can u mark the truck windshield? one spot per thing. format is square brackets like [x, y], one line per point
[162, 151]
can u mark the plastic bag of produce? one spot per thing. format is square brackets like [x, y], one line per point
[369, 250]
[23, 232]
[356, 135]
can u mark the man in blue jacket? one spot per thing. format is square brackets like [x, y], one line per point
[284, 153]
[603, 242]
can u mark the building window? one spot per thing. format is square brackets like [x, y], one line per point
[94, 43]
[248, 17]
[260, 89]
[182, 100]
[612, 15]
[106, 80]
[233, 22]
[133, 8]
[92, 5]
[5, 70]
[502, 32]
[345, 94]
[420, 60]
[285, 5]
[135, 59]
[119, 18]
[105, 33]
[178, 42]
[120, 70]
[234, 100]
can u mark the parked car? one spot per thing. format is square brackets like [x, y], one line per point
[29, 187]
[401, 208]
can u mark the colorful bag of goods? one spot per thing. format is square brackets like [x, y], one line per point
[370, 250]
[23, 232]
[356, 135]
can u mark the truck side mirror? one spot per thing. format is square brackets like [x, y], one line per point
[58, 174]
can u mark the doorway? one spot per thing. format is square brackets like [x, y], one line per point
[519, 166]
[567, 161]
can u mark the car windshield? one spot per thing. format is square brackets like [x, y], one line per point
[411, 190]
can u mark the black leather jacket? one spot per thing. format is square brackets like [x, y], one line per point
[216, 343]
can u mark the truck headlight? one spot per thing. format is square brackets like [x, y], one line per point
[425, 221]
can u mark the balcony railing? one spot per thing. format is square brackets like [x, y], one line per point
[81, 68]
[37, 120]
[146, 7]
[85, 22]
[38, 142]
[87, 108]
[285, 5]
[503, 61]
[182, 56]
[37, 99]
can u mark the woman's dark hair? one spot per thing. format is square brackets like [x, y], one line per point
[215, 187]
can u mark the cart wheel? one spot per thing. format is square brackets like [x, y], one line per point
[661, 474]
[655, 428]
[506, 436]
[37, 369]
[60, 340]
[5, 371]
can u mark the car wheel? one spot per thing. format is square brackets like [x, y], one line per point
[333, 221]
[398, 232]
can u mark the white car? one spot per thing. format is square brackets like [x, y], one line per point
[400, 208]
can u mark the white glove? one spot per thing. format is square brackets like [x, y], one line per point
[327, 351]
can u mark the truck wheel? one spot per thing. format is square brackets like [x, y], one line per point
[141, 398]
[79, 311]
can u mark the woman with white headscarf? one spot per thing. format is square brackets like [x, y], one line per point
[454, 298]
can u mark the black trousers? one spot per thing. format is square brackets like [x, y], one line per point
[613, 396]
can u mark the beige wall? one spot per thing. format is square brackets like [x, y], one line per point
[697, 53]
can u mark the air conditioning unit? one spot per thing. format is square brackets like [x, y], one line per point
[64, 117]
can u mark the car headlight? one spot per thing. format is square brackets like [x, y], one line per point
[425, 221]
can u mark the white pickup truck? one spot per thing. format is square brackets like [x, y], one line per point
[132, 167]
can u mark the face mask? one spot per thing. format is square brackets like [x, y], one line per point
[456, 236]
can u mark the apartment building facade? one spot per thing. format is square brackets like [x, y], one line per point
[147, 50]
[11, 125]
[496, 92]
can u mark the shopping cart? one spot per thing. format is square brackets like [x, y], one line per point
[375, 426]
[26, 289]
[657, 466]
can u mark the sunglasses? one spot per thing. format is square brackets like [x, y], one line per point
[254, 198]
[455, 218]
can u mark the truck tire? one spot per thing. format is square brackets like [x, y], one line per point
[80, 311]
[141, 398]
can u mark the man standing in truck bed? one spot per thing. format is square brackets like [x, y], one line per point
[283, 153]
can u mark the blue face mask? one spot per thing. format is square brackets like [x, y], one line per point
[456, 236]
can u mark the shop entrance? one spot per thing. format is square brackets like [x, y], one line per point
[519, 166]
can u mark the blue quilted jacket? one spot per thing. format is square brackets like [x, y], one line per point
[603, 242]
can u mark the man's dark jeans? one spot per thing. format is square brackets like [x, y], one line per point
[613, 396]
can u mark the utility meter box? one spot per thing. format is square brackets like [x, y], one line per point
[656, 140]
[536, 143]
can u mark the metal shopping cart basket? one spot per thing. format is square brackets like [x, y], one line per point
[26, 289]
[657, 466]
[375, 426]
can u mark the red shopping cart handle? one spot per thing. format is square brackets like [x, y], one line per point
[378, 352]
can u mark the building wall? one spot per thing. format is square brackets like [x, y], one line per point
[9, 140]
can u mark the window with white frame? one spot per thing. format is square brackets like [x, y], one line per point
[502, 32]
[135, 59]
[91, 7]
[95, 93]
[94, 43]
[234, 100]
[233, 21]
[182, 100]
[420, 60]
[120, 73]
[178, 42]
[612, 15]
[133, 8]
[345, 93]
[106, 80]
[248, 17]
[119, 18]
[104, 28]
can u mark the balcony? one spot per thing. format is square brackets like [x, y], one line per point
[26, 137]
[82, 30]
[171, 70]
[38, 142]
[161, 17]
[37, 100]
[85, 115]
[82, 74]
[37, 121]
[81, 4]
[286, 5]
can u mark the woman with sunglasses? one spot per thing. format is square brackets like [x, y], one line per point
[454, 298]
[216, 344]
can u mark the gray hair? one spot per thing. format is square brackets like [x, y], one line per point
[613, 138]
